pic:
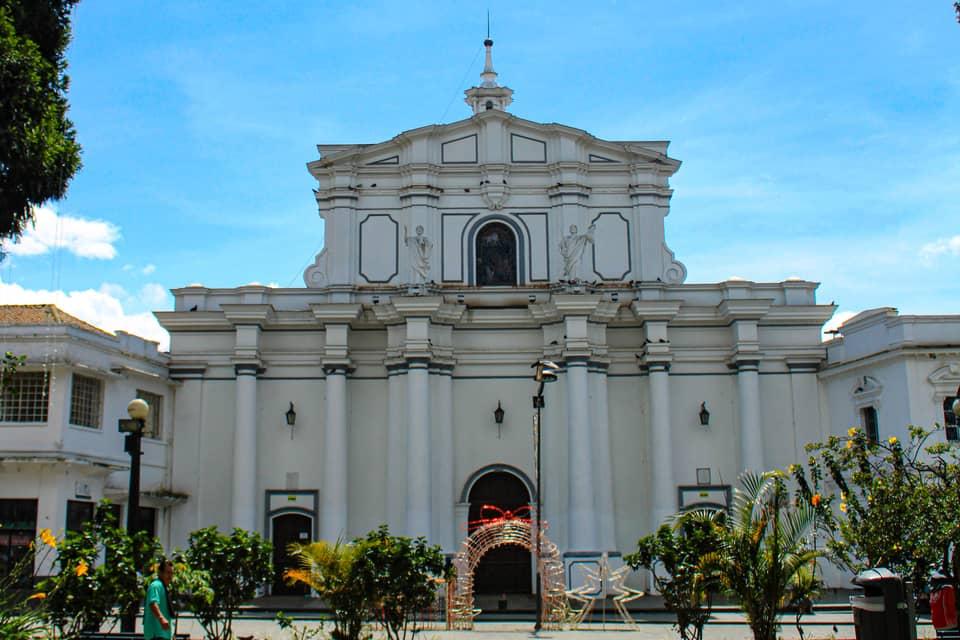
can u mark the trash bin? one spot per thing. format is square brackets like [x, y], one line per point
[943, 602]
[885, 610]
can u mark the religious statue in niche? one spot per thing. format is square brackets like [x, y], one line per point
[420, 248]
[496, 256]
[571, 249]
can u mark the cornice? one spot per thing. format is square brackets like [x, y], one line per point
[241, 314]
[655, 310]
[750, 309]
[336, 312]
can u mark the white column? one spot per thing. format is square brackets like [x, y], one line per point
[751, 433]
[333, 510]
[602, 465]
[245, 449]
[580, 511]
[663, 497]
[442, 461]
[396, 448]
[418, 448]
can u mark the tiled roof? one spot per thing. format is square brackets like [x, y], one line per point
[42, 314]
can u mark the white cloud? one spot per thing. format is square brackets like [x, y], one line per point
[100, 307]
[147, 270]
[833, 323]
[939, 247]
[80, 236]
[153, 295]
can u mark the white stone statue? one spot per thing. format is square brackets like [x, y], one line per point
[572, 247]
[420, 248]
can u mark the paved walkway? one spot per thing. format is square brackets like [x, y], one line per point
[725, 626]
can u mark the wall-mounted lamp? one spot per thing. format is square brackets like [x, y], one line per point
[704, 414]
[498, 415]
[291, 416]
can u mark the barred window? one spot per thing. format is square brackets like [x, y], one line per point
[85, 401]
[26, 398]
[951, 424]
[870, 423]
[155, 418]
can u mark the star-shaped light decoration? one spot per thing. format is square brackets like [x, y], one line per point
[599, 582]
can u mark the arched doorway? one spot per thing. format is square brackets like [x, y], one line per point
[287, 529]
[496, 256]
[506, 568]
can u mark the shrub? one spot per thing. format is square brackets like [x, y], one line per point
[236, 565]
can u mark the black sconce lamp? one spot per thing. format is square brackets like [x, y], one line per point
[704, 414]
[291, 416]
[498, 415]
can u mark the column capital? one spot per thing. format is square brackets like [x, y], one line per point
[655, 311]
[248, 368]
[337, 368]
[248, 314]
[740, 363]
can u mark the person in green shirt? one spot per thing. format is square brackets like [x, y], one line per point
[157, 617]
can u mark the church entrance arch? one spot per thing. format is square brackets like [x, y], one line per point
[506, 567]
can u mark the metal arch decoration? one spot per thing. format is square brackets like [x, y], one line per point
[498, 528]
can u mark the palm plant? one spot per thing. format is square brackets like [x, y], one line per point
[765, 557]
[328, 569]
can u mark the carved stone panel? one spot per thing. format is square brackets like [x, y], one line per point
[527, 150]
[459, 151]
[611, 246]
[378, 248]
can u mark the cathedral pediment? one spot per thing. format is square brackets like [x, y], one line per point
[495, 137]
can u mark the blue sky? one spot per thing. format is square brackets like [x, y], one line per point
[818, 139]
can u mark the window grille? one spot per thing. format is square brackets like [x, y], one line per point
[154, 420]
[870, 423]
[85, 401]
[26, 398]
[951, 424]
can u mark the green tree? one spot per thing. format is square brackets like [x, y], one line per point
[400, 575]
[8, 367]
[885, 504]
[765, 558]
[86, 592]
[673, 555]
[329, 569]
[237, 564]
[38, 150]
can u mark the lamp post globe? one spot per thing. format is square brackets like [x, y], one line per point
[138, 409]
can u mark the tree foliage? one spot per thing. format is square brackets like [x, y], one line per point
[673, 555]
[766, 558]
[236, 565]
[401, 575]
[86, 592]
[886, 504]
[8, 368]
[329, 570]
[38, 150]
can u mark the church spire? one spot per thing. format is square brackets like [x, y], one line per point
[489, 95]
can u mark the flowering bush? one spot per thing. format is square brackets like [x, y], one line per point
[22, 615]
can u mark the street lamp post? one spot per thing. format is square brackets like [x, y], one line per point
[138, 410]
[544, 371]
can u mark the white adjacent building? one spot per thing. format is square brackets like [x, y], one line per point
[60, 449]
[455, 257]
[885, 371]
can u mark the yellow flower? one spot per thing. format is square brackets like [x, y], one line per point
[849, 444]
[852, 431]
[843, 507]
[892, 440]
[792, 468]
[815, 500]
[48, 538]
[82, 568]
[37, 596]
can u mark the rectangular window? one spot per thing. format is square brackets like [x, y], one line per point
[86, 399]
[147, 520]
[18, 529]
[26, 398]
[870, 424]
[79, 512]
[951, 423]
[155, 417]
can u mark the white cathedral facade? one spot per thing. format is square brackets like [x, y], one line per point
[456, 256]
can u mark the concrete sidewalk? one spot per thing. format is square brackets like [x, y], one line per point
[723, 627]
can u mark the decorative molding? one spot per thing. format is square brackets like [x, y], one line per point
[388, 160]
[443, 150]
[627, 241]
[395, 244]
